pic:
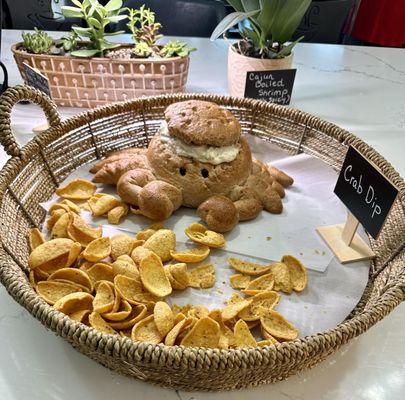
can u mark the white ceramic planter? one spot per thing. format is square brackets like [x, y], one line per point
[239, 65]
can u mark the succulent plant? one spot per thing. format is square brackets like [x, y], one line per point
[38, 42]
[69, 43]
[143, 26]
[142, 50]
[97, 17]
[175, 48]
[145, 33]
[265, 25]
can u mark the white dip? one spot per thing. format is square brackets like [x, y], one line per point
[206, 154]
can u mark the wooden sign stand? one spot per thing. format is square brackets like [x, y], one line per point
[343, 240]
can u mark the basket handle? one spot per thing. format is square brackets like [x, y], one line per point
[7, 101]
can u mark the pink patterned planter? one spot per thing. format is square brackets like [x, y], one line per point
[90, 82]
[239, 65]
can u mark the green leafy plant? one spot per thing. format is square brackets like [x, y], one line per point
[97, 17]
[142, 50]
[145, 33]
[143, 27]
[176, 48]
[38, 42]
[70, 42]
[267, 26]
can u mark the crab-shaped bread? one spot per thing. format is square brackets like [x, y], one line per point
[198, 159]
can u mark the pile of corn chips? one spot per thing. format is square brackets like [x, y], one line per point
[284, 276]
[118, 285]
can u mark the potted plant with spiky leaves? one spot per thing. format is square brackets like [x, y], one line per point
[266, 28]
[85, 68]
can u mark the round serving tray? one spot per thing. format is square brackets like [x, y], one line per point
[35, 170]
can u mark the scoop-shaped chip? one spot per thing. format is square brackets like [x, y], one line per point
[102, 205]
[137, 313]
[55, 215]
[121, 244]
[200, 234]
[128, 288]
[227, 338]
[248, 268]
[96, 321]
[145, 234]
[266, 335]
[49, 267]
[73, 254]
[72, 206]
[57, 207]
[35, 238]
[139, 253]
[162, 242]
[243, 336]
[276, 325]
[179, 274]
[124, 265]
[266, 342]
[146, 331]
[104, 299]
[298, 273]
[233, 309]
[282, 277]
[181, 309]
[239, 281]
[115, 215]
[59, 230]
[74, 302]
[164, 318]
[123, 311]
[171, 337]
[235, 298]
[262, 283]
[196, 254]
[97, 250]
[80, 316]
[260, 303]
[49, 251]
[173, 282]
[153, 276]
[35, 277]
[205, 333]
[117, 298]
[132, 291]
[80, 231]
[73, 275]
[202, 276]
[99, 272]
[51, 292]
[198, 312]
[78, 189]
[81, 287]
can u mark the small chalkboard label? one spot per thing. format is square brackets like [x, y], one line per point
[36, 79]
[365, 191]
[274, 86]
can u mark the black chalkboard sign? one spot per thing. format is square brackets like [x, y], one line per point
[275, 86]
[36, 79]
[365, 191]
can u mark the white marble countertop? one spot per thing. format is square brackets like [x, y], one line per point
[359, 88]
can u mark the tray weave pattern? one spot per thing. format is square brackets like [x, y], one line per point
[34, 171]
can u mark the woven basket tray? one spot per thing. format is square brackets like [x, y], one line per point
[34, 171]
